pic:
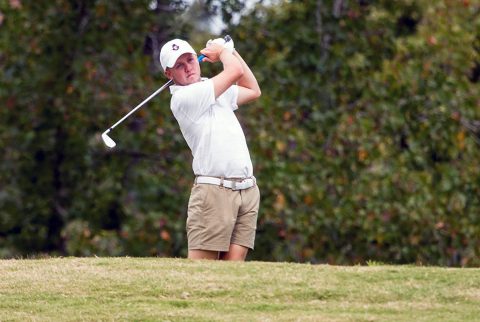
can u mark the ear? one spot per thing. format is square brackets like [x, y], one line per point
[168, 73]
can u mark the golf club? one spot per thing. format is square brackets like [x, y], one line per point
[108, 140]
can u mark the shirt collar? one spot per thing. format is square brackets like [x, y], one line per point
[174, 88]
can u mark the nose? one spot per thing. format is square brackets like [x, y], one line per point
[189, 66]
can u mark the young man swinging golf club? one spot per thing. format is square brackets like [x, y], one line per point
[224, 200]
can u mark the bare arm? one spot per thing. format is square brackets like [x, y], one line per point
[248, 89]
[232, 67]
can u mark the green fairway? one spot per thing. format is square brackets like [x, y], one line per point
[150, 289]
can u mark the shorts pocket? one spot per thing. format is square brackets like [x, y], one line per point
[196, 207]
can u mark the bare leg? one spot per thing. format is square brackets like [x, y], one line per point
[202, 254]
[235, 253]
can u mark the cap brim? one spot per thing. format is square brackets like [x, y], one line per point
[173, 59]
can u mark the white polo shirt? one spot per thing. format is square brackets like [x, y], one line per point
[211, 129]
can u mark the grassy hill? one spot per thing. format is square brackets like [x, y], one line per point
[150, 289]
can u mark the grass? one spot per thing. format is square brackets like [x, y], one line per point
[157, 289]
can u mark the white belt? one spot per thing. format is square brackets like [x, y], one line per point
[231, 184]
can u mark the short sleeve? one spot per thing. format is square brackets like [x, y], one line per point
[193, 100]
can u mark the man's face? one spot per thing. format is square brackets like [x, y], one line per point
[186, 70]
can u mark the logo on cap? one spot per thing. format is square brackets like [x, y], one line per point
[175, 47]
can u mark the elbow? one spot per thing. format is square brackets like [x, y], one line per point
[234, 72]
[255, 93]
[238, 72]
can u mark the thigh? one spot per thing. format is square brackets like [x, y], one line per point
[212, 212]
[202, 254]
[246, 224]
[235, 253]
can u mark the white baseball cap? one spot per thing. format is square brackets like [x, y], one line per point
[172, 50]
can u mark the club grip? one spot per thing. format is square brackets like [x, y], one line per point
[227, 38]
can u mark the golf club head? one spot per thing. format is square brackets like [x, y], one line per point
[107, 140]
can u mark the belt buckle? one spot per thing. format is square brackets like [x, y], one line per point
[234, 185]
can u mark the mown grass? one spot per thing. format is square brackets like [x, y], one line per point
[155, 289]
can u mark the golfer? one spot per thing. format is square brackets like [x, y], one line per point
[224, 200]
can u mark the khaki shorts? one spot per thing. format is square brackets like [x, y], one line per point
[218, 217]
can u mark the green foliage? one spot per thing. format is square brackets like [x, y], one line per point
[365, 141]
[362, 137]
[70, 70]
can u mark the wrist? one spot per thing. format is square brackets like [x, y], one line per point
[223, 52]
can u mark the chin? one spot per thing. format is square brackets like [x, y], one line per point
[189, 80]
[194, 79]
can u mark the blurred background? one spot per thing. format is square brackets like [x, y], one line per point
[365, 142]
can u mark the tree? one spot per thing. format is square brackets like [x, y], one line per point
[365, 139]
[70, 69]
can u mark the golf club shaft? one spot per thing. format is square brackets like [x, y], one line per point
[148, 98]
[142, 103]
